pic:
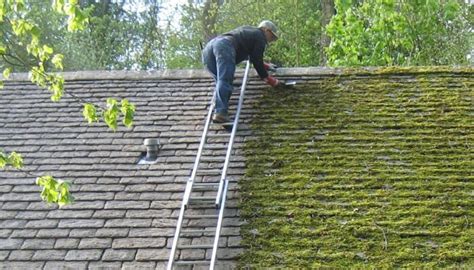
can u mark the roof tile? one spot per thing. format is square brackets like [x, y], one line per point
[44, 223]
[146, 242]
[114, 232]
[43, 255]
[119, 254]
[52, 233]
[64, 214]
[143, 265]
[66, 243]
[95, 243]
[4, 254]
[38, 244]
[22, 265]
[11, 243]
[128, 223]
[84, 255]
[152, 254]
[81, 223]
[127, 205]
[21, 255]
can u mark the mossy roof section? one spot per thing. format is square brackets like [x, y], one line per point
[363, 169]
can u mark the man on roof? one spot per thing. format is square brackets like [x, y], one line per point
[224, 52]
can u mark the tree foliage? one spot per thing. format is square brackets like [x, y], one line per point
[123, 34]
[118, 37]
[138, 34]
[22, 47]
[390, 32]
[369, 32]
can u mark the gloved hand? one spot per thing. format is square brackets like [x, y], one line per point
[270, 67]
[274, 82]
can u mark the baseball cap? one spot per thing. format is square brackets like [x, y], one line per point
[270, 26]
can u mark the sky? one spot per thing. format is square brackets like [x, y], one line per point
[168, 9]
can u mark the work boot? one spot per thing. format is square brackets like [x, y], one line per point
[220, 118]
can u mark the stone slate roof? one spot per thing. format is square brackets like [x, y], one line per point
[125, 214]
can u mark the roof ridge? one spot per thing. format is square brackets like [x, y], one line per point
[202, 73]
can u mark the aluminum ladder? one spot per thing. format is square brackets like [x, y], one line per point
[201, 214]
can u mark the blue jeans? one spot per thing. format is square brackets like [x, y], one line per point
[219, 58]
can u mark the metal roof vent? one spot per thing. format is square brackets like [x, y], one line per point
[151, 155]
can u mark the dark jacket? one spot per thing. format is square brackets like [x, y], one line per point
[250, 42]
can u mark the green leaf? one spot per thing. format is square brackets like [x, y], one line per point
[2, 10]
[47, 50]
[63, 193]
[451, 9]
[55, 191]
[58, 61]
[18, 5]
[342, 5]
[6, 73]
[77, 18]
[15, 160]
[35, 33]
[58, 6]
[21, 27]
[3, 160]
[33, 47]
[56, 86]
[90, 113]
[37, 77]
[111, 114]
[128, 111]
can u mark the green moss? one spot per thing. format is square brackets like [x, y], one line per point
[406, 70]
[371, 169]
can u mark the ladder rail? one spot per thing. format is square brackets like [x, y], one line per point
[176, 237]
[219, 226]
[189, 185]
[232, 136]
[201, 148]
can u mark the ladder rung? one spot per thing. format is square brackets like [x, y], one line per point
[219, 135]
[192, 262]
[205, 186]
[194, 246]
[212, 159]
[216, 146]
[215, 184]
[209, 172]
[203, 198]
[230, 123]
[201, 216]
[199, 231]
[201, 205]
